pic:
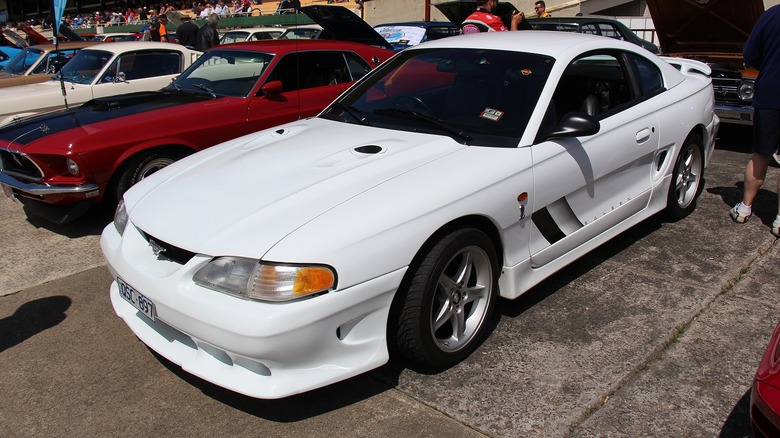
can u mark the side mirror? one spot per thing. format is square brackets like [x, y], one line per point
[272, 87]
[575, 125]
[120, 77]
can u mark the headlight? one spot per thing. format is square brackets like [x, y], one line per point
[120, 218]
[256, 280]
[73, 168]
[745, 90]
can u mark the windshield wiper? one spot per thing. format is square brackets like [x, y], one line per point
[352, 111]
[206, 89]
[432, 121]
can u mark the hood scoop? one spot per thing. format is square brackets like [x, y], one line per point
[351, 156]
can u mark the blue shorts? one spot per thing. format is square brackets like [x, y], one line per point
[766, 131]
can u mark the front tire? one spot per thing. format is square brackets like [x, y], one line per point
[687, 179]
[449, 302]
[140, 167]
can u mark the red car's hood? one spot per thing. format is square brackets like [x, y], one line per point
[696, 26]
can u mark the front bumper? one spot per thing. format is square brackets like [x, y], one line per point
[259, 349]
[39, 190]
[736, 114]
[57, 204]
[764, 406]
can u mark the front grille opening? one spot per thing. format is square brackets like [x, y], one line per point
[167, 251]
[17, 164]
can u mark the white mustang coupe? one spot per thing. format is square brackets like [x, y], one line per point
[461, 170]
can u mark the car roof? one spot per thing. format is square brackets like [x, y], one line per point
[258, 29]
[573, 20]
[126, 46]
[543, 42]
[288, 46]
[67, 45]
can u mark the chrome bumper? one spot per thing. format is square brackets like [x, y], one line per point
[741, 115]
[42, 189]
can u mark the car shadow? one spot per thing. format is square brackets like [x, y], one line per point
[91, 224]
[294, 408]
[737, 424]
[562, 278]
[735, 138]
[32, 318]
[764, 204]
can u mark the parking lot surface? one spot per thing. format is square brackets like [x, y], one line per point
[657, 333]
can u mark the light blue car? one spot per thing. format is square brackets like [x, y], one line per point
[6, 53]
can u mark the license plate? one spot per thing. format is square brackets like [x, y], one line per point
[137, 299]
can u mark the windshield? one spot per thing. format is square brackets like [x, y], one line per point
[224, 73]
[299, 33]
[235, 36]
[83, 68]
[479, 97]
[23, 60]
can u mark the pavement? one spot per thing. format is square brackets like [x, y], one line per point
[657, 333]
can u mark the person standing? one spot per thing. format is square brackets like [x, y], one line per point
[154, 28]
[762, 51]
[541, 10]
[163, 28]
[483, 20]
[208, 36]
[187, 32]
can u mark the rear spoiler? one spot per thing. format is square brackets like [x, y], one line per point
[687, 66]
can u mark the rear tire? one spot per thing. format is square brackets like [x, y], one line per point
[447, 307]
[687, 179]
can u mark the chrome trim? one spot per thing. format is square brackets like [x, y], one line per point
[740, 115]
[42, 189]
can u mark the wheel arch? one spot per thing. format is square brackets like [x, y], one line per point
[477, 222]
[124, 163]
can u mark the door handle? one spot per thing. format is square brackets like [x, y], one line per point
[643, 135]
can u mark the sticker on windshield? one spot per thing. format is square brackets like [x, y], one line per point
[492, 114]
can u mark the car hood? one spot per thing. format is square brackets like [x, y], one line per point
[343, 24]
[690, 26]
[457, 11]
[244, 196]
[34, 128]
[12, 39]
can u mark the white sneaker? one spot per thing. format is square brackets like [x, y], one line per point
[776, 227]
[740, 213]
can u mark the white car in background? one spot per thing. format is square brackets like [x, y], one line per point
[105, 69]
[250, 34]
[461, 170]
[116, 37]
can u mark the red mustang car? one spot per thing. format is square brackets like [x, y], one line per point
[765, 395]
[61, 163]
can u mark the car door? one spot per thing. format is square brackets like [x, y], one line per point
[585, 186]
[310, 81]
[143, 70]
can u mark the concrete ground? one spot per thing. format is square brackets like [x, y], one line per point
[657, 333]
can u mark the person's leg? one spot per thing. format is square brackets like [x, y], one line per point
[755, 173]
[776, 223]
[766, 135]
